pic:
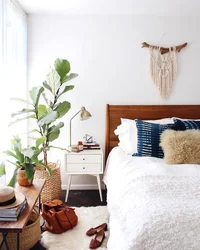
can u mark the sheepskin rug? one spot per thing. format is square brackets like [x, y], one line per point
[76, 239]
[181, 147]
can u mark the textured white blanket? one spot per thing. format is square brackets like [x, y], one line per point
[153, 206]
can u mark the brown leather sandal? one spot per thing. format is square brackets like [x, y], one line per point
[97, 241]
[95, 230]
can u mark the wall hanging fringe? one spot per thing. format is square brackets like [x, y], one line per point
[163, 66]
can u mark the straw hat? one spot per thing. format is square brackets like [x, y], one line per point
[10, 198]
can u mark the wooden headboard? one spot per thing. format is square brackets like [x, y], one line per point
[143, 112]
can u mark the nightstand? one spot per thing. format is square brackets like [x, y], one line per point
[88, 161]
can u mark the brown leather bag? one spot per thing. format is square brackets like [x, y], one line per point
[58, 217]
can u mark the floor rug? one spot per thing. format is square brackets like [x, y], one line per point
[76, 239]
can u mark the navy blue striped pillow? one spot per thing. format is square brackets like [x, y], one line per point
[186, 124]
[149, 138]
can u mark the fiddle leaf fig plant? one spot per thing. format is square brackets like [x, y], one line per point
[46, 115]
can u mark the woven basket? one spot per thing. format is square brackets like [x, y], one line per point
[52, 187]
[29, 236]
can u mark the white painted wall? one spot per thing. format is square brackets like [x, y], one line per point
[105, 50]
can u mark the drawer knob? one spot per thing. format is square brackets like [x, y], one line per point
[83, 159]
[83, 167]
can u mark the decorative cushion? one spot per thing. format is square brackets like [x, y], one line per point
[149, 138]
[127, 133]
[181, 147]
[186, 124]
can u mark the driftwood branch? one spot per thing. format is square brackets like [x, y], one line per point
[164, 50]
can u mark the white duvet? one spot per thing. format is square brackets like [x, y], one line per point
[152, 205]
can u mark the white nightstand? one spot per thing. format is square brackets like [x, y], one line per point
[89, 161]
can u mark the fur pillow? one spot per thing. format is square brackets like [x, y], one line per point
[181, 147]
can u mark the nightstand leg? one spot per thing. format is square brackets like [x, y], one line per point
[99, 185]
[68, 187]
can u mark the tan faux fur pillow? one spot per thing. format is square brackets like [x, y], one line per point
[181, 147]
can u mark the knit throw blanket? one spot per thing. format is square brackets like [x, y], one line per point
[154, 212]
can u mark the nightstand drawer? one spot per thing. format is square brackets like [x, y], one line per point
[83, 158]
[83, 167]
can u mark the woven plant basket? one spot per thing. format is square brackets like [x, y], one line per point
[29, 236]
[52, 187]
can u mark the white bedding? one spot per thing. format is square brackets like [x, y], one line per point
[152, 205]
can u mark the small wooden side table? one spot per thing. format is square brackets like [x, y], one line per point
[32, 194]
[85, 162]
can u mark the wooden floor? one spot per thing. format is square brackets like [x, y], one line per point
[79, 198]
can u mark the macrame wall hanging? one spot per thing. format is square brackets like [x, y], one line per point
[163, 66]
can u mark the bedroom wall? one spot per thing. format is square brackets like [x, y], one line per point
[105, 50]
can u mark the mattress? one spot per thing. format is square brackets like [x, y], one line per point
[152, 205]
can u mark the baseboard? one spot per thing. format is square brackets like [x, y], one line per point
[83, 187]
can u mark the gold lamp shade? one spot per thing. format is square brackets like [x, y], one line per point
[84, 114]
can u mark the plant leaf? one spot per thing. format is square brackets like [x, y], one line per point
[62, 66]
[13, 180]
[34, 130]
[63, 108]
[35, 93]
[10, 153]
[53, 135]
[48, 118]
[42, 110]
[47, 167]
[45, 98]
[67, 88]
[53, 80]
[47, 86]
[28, 152]
[69, 77]
[19, 155]
[40, 140]
[21, 100]
[59, 148]
[21, 119]
[56, 127]
[29, 170]
[23, 111]
[54, 131]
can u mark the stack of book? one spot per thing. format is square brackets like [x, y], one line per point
[12, 214]
[91, 145]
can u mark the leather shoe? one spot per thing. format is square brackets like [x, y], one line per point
[95, 230]
[97, 241]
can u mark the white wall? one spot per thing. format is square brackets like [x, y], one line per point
[105, 50]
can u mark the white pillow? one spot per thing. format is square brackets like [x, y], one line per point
[127, 133]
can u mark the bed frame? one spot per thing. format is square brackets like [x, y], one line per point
[144, 112]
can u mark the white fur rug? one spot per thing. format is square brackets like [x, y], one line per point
[76, 239]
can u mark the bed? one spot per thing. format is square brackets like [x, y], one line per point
[152, 205]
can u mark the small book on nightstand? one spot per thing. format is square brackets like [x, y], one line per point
[91, 145]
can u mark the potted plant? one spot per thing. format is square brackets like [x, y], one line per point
[25, 161]
[46, 115]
